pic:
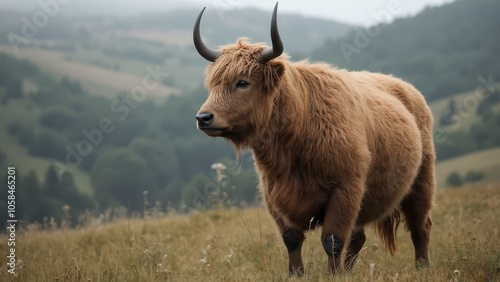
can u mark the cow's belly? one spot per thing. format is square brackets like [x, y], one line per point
[296, 204]
[375, 208]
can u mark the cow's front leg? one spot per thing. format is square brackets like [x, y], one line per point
[293, 240]
[340, 217]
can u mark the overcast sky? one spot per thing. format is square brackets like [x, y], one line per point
[361, 12]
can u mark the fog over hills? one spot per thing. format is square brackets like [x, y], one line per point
[359, 12]
[301, 34]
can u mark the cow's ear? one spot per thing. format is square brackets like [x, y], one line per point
[273, 73]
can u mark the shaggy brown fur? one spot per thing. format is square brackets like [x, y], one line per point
[333, 148]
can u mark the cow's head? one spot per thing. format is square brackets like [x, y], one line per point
[243, 80]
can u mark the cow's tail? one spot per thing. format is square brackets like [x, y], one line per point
[387, 229]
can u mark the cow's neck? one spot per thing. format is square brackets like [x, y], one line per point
[280, 141]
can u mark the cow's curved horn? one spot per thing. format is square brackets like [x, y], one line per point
[277, 49]
[203, 50]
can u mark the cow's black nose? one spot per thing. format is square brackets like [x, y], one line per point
[204, 118]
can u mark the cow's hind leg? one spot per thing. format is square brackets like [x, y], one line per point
[358, 239]
[417, 206]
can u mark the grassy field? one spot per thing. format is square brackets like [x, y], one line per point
[243, 245]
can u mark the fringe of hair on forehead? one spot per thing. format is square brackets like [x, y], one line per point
[239, 59]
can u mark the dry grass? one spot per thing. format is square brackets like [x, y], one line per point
[243, 245]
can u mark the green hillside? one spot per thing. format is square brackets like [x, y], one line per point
[469, 110]
[17, 155]
[443, 50]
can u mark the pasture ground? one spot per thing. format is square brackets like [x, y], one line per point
[243, 245]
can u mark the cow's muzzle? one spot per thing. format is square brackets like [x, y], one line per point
[206, 124]
[204, 119]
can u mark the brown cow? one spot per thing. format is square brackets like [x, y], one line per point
[333, 148]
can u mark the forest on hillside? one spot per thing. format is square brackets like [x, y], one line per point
[442, 50]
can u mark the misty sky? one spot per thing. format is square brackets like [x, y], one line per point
[361, 12]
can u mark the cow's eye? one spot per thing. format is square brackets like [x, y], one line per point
[242, 84]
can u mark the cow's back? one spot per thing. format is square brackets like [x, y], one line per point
[409, 96]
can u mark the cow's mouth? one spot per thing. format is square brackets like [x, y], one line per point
[213, 131]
